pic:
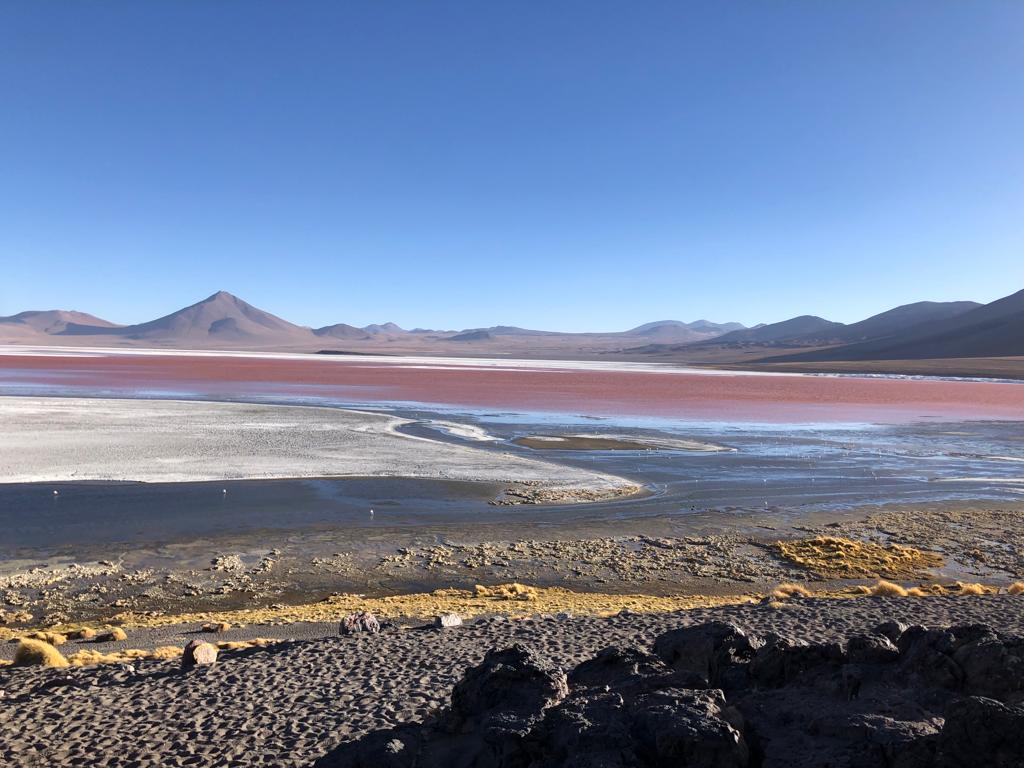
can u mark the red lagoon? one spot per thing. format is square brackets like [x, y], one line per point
[530, 386]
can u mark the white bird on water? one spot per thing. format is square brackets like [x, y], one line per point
[371, 513]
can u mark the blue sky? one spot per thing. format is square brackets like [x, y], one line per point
[567, 165]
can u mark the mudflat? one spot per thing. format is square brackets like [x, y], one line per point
[75, 440]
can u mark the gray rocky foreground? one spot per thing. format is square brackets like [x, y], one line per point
[294, 703]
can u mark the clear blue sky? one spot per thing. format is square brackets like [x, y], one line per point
[564, 165]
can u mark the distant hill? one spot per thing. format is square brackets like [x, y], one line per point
[55, 320]
[375, 328]
[893, 321]
[794, 328]
[676, 331]
[991, 330]
[222, 321]
[219, 318]
[472, 336]
[342, 331]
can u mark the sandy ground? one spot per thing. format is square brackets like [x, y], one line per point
[288, 704]
[71, 439]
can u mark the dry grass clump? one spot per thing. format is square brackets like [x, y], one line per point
[976, 589]
[112, 635]
[837, 557]
[428, 605]
[784, 591]
[53, 638]
[237, 645]
[513, 591]
[88, 657]
[216, 626]
[1017, 588]
[887, 589]
[38, 653]
[831, 557]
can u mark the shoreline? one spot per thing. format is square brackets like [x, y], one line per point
[722, 555]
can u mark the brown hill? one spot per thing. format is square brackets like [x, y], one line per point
[220, 319]
[54, 320]
[992, 330]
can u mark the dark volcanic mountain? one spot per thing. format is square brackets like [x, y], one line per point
[992, 330]
[893, 321]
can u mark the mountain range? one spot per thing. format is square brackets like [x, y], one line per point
[224, 321]
[923, 330]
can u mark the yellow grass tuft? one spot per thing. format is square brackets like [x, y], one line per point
[88, 657]
[38, 653]
[888, 589]
[831, 557]
[111, 635]
[975, 589]
[783, 591]
[237, 645]
[1017, 588]
[513, 591]
[53, 638]
[918, 592]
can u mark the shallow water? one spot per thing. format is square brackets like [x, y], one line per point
[793, 466]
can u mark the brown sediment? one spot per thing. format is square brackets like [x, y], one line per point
[832, 557]
[536, 493]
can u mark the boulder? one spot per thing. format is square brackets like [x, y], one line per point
[199, 653]
[706, 650]
[891, 630]
[992, 667]
[514, 681]
[671, 726]
[781, 663]
[871, 649]
[982, 732]
[360, 621]
[446, 620]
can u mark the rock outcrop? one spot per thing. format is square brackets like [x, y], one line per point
[714, 696]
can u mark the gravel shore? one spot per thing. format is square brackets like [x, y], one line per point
[289, 704]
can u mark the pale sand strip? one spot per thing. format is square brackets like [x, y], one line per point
[79, 439]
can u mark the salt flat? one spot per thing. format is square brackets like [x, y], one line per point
[79, 439]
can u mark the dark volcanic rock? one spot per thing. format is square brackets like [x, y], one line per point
[706, 650]
[711, 695]
[982, 732]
